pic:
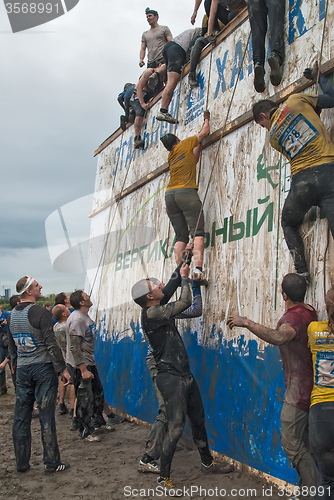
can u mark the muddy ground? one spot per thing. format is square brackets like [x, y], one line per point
[108, 470]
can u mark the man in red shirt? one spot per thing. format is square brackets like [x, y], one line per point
[291, 337]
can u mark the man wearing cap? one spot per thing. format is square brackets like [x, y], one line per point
[153, 40]
[183, 206]
[39, 362]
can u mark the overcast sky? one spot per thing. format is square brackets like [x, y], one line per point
[59, 86]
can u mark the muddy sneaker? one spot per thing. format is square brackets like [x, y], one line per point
[123, 122]
[167, 483]
[138, 142]
[192, 79]
[151, 466]
[92, 438]
[198, 276]
[214, 468]
[59, 468]
[152, 81]
[276, 69]
[117, 419]
[166, 117]
[210, 38]
[106, 427]
[62, 409]
[75, 424]
[24, 469]
[259, 84]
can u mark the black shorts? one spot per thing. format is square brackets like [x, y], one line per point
[174, 56]
[155, 64]
[136, 106]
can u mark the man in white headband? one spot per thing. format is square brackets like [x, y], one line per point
[39, 362]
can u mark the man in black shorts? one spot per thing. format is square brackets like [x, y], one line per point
[297, 132]
[174, 379]
[175, 57]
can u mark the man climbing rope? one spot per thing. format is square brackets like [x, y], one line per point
[296, 131]
[183, 205]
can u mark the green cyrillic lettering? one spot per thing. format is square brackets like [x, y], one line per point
[134, 255]
[248, 223]
[218, 232]
[269, 212]
[126, 262]
[236, 226]
[119, 259]
[154, 249]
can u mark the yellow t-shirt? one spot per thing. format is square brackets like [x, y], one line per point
[182, 165]
[297, 131]
[322, 348]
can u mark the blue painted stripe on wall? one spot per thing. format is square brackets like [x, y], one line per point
[242, 390]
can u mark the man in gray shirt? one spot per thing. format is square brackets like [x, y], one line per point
[80, 338]
[39, 362]
[153, 40]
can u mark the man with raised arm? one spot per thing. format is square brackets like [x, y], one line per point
[183, 206]
[295, 129]
[39, 362]
[290, 336]
[174, 379]
[153, 40]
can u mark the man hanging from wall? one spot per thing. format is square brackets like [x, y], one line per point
[140, 97]
[184, 208]
[153, 40]
[260, 12]
[291, 337]
[174, 379]
[217, 11]
[296, 130]
[158, 432]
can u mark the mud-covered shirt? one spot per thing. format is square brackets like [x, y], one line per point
[162, 335]
[31, 328]
[321, 343]
[296, 357]
[182, 165]
[80, 325]
[297, 131]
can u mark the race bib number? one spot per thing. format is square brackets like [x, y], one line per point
[298, 134]
[324, 370]
[24, 343]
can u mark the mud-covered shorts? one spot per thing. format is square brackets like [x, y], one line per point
[174, 56]
[183, 208]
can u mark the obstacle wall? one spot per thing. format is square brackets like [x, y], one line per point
[240, 377]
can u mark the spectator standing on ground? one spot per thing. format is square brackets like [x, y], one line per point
[39, 362]
[80, 339]
[290, 336]
[10, 351]
[153, 40]
[3, 350]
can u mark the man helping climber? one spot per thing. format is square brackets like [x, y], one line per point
[297, 132]
[174, 379]
[184, 208]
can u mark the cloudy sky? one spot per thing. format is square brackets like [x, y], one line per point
[59, 86]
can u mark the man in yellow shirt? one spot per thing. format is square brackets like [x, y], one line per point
[321, 416]
[184, 208]
[298, 133]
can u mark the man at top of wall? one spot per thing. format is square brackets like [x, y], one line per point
[183, 206]
[296, 131]
[260, 12]
[175, 57]
[290, 335]
[217, 11]
[153, 40]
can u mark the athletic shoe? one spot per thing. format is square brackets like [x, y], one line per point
[59, 468]
[21, 471]
[259, 77]
[106, 427]
[214, 468]
[62, 409]
[151, 466]
[92, 438]
[74, 424]
[117, 419]
[138, 142]
[152, 81]
[166, 117]
[210, 38]
[166, 482]
[276, 69]
[123, 122]
[192, 79]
